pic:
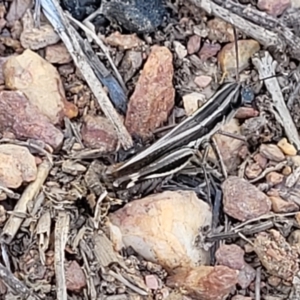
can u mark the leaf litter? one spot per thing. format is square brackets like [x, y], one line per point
[227, 228]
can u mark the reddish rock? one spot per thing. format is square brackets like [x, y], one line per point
[98, 133]
[231, 256]
[253, 170]
[193, 44]
[124, 41]
[57, 54]
[276, 254]
[246, 276]
[274, 178]
[202, 81]
[75, 278]
[274, 7]
[246, 113]
[220, 31]
[209, 50]
[152, 282]
[240, 297]
[261, 160]
[153, 97]
[24, 120]
[282, 206]
[242, 200]
[205, 282]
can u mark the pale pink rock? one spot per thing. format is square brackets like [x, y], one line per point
[203, 81]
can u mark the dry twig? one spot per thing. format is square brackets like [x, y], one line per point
[14, 222]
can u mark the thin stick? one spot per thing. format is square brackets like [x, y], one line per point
[14, 222]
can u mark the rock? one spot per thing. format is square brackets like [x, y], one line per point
[209, 50]
[73, 168]
[220, 31]
[2, 16]
[124, 41]
[295, 3]
[17, 165]
[276, 255]
[3, 60]
[229, 147]
[153, 97]
[75, 278]
[271, 152]
[231, 256]
[202, 81]
[36, 38]
[282, 206]
[193, 45]
[41, 84]
[246, 113]
[160, 228]
[261, 160]
[192, 101]
[296, 160]
[98, 133]
[205, 282]
[252, 171]
[57, 54]
[152, 282]
[24, 120]
[180, 50]
[16, 10]
[130, 64]
[242, 200]
[273, 7]
[286, 147]
[246, 276]
[274, 178]
[227, 56]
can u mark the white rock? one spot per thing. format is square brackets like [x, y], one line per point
[163, 228]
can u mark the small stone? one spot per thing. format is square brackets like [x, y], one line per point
[131, 63]
[32, 75]
[227, 56]
[193, 44]
[297, 217]
[208, 50]
[229, 147]
[276, 254]
[273, 7]
[286, 147]
[57, 54]
[295, 3]
[33, 37]
[154, 94]
[205, 282]
[242, 200]
[3, 60]
[287, 170]
[151, 282]
[73, 168]
[271, 152]
[192, 101]
[220, 31]
[261, 160]
[282, 206]
[180, 50]
[231, 256]
[16, 113]
[294, 238]
[252, 171]
[75, 278]
[98, 133]
[274, 281]
[246, 276]
[274, 178]
[203, 81]
[296, 160]
[246, 113]
[124, 41]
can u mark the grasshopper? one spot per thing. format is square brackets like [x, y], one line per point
[180, 146]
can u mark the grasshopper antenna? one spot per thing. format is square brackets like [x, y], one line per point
[236, 53]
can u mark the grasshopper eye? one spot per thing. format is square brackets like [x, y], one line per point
[247, 96]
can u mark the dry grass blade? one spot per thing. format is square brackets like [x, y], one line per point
[14, 222]
[68, 35]
[61, 237]
[266, 68]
